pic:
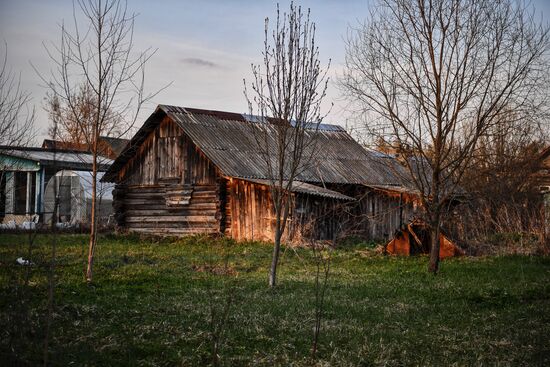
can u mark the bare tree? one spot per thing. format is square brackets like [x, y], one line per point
[436, 75]
[95, 61]
[74, 124]
[286, 93]
[16, 116]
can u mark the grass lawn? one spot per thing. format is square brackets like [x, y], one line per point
[151, 304]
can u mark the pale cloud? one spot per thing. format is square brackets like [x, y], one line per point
[195, 61]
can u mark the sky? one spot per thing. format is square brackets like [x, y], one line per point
[205, 48]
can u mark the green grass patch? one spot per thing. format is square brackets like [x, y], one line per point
[152, 300]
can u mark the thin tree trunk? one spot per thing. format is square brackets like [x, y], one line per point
[433, 267]
[100, 48]
[51, 289]
[95, 137]
[91, 246]
[276, 252]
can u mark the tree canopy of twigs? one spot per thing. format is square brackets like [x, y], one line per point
[286, 94]
[75, 123]
[98, 80]
[434, 76]
[16, 115]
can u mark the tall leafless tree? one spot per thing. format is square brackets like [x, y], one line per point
[286, 93]
[97, 57]
[436, 75]
[16, 114]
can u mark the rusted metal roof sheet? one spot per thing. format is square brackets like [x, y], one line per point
[116, 144]
[305, 188]
[229, 140]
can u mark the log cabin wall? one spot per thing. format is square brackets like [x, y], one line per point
[169, 187]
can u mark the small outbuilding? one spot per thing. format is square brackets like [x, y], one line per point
[414, 239]
[72, 192]
[24, 173]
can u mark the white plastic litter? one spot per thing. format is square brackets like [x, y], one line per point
[64, 225]
[9, 225]
[23, 262]
[28, 226]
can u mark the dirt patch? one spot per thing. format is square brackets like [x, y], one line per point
[214, 269]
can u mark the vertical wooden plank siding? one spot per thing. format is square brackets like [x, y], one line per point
[249, 211]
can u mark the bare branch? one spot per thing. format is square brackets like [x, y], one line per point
[16, 115]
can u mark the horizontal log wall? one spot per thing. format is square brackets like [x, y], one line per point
[169, 187]
[145, 209]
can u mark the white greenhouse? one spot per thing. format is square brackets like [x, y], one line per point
[73, 190]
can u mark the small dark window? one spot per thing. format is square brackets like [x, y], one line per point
[33, 191]
[2, 193]
[20, 192]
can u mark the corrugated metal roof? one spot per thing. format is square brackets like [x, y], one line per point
[305, 188]
[229, 141]
[396, 189]
[61, 158]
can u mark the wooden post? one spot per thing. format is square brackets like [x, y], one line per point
[546, 200]
[28, 194]
[10, 193]
[400, 211]
[40, 190]
[37, 189]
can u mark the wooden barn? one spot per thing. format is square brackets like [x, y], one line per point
[198, 171]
